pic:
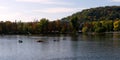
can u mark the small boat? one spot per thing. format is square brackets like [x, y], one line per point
[20, 41]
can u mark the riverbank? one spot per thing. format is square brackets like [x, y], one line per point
[94, 33]
[118, 32]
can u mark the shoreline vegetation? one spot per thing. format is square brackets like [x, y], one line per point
[33, 28]
[93, 20]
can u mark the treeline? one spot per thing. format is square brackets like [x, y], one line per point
[44, 26]
[101, 26]
[97, 14]
[100, 19]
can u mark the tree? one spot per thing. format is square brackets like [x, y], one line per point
[34, 27]
[43, 25]
[64, 28]
[98, 27]
[107, 24]
[85, 29]
[117, 25]
[50, 27]
[58, 25]
[8, 26]
[20, 27]
[75, 23]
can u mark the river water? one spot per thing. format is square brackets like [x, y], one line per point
[60, 47]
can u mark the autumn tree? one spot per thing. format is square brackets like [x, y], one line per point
[117, 25]
[58, 25]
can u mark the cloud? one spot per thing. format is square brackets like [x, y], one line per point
[115, 0]
[34, 1]
[58, 10]
[9, 16]
[46, 2]
[3, 7]
[18, 16]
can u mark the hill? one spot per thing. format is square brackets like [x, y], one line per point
[96, 14]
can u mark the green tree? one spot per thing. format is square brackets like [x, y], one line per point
[98, 27]
[75, 23]
[117, 25]
[108, 25]
[85, 29]
[43, 25]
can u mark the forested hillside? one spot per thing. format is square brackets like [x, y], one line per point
[96, 14]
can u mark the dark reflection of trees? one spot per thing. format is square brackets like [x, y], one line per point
[74, 38]
[116, 39]
[112, 39]
[95, 45]
[96, 37]
[91, 37]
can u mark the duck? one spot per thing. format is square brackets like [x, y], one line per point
[55, 40]
[20, 41]
[40, 41]
[64, 38]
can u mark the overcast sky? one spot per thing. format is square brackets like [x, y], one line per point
[29, 10]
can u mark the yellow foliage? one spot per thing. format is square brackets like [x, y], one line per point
[116, 25]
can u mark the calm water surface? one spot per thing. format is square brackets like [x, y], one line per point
[81, 47]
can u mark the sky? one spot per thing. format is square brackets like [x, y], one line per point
[31, 10]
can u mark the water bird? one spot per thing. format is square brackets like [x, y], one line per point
[64, 38]
[40, 41]
[20, 41]
[55, 40]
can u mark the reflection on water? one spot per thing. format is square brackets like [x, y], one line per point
[66, 47]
